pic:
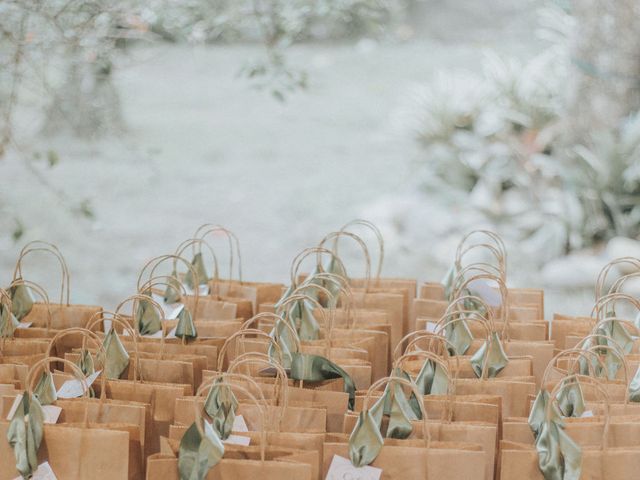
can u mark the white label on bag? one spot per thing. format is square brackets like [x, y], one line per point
[51, 412]
[44, 472]
[487, 290]
[170, 310]
[74, 388]
[431, 327]
[24, 324]
[587, 414]
[237, 440]
[342, 469]
[202, 290]
[239, 425]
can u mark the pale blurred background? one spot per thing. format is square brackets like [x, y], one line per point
[127, 124]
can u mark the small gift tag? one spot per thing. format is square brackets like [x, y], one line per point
[172, 333]
[24, 324]
[202, 290]
[342, 468]
[74, 388]
[239, 425]
[238, 440]
[586, 414]
[44, 472]
[487, 290]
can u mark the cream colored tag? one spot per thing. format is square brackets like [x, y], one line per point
[342, 469]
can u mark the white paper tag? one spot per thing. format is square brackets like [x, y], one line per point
[202, 290]
[487, 290]
[14, 407]
[24, 324]
[586, 414]
[44, 472]
[342, 469]
[74, 388]
[239, 425]
[51, 412]
[170, 310]
[237, 440]
[431, 327]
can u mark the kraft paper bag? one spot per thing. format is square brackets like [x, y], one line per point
[441, 460]
[520, 462]
[75, 453]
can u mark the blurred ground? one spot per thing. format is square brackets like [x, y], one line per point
[201, 146]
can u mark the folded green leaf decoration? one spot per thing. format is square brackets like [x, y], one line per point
[199, 453]
[45, 390]
[185, 328]
[365, 442]
[493, 354]
[284, 338]
[21, 300]
[221, 405]
[8, 322]
[116, 358]
[147, 317]
[201, 272]
[315, 368]
[25, 434]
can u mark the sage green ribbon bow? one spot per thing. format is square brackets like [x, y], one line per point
[315, 368]
[87, 367]
[147, 317]
[45, 390]
[8, 322]
[25, 434]
[365, 442]
[493, 354]
[559, 457]
[21, 300]
[116, 358]
[570, 404]
[221, 405]
[283, 336]
[201, 272]
[634, 387]
[186, 328]
[300, 316]
[431, 380]
[459, 337]
[395, 405]
[199, 453]
[333, 267]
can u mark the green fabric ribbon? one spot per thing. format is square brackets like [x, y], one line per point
[394, 403]
[447, 282]
[25, 434]
[315, 368]
[431, 380]
[185, 328]
[365, 442]
[21, 300]
[221, 405]
[559, 457]
[173, 289]
[197, 453]
[8, 322]
[284, 338]
[459, 337]
[494, 354]
[537, 414]
[201, 272]
[86, 365]
[116, 358]
[634, 387]
[571, 400]
[147, 317]
[45, 390]
[300, 315]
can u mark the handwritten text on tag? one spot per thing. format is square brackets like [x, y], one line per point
[342, 469]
